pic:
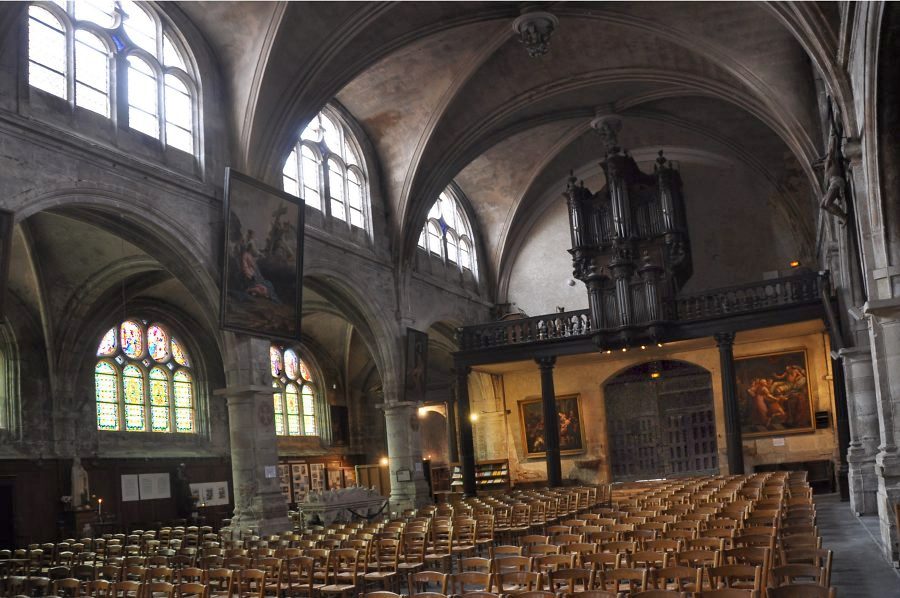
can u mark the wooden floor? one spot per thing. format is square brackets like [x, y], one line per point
[860, 569]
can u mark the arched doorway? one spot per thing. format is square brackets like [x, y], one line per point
[660, 421]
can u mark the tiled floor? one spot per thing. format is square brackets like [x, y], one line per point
[859, 569]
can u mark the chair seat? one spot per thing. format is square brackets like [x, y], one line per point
[337, 588]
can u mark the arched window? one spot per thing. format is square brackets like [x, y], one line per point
[325, 164]
[448, 234]
[296, 394]
[143, 380]
[72, 54]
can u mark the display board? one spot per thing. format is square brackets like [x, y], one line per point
[210, 494]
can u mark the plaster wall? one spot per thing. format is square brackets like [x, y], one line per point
[585, 375]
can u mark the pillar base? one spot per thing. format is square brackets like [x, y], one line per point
[863, 483]
[887, 467]
[260, 515]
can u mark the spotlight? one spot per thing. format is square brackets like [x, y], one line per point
[383, 461]
[473, 417]
[624, 349]
[423, 411]
[795, 263]
[659, 345]
[643, 347]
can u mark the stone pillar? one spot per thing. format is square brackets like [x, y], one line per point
[409, 489]
[884, 333]
[466, 444]
[859, 380]
[259, 505]
[452, 444]
[551, 421]
[733, 441]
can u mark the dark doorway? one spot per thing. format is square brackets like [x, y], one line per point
[660, 421]
[7, 513]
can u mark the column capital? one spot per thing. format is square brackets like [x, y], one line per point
[243, 391]
[724, 339]
[855, 353]
[396, 405]
[547, 362]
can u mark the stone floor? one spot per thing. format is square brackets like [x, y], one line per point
[859, 569]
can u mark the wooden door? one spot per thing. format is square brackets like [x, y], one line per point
[661, 427]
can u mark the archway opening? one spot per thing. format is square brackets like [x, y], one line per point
[660, 421]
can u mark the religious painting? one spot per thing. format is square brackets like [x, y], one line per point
[416, 364]
[571, 431]
[773, 394]
[6, 232]
[262, 278]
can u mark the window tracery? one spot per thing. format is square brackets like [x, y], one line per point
[325, 169]
[295, 394]
[447, 234]
[73, 51]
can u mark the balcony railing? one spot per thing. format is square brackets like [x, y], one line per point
[731, 301]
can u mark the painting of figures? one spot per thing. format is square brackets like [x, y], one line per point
[263, 265]
[571, 433]
[774, 394]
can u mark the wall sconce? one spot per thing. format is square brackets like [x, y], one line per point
[473, 417]
[383, 461]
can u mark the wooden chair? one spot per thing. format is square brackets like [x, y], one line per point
[67, 587]
[801, 591]
[219, 582]
[440, 547]
[678, 578]
[553, 562]
[342, 572]
[820, 557]
[99, 588]
[125, 589]
[476, 563]
[382, 568]
[412, 554]
[796, 573]
[517, 582]
[197, 590]
[249, 583]
[460, 583]
[727, 593]
[635, 580]
[423, 579]
[536, 594]
[745, 577]
[158, 589]
[593, 594]
[569, 581]
[659, 594]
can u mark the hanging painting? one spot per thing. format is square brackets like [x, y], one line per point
[773, 394]
[571, 432]
[262, 277]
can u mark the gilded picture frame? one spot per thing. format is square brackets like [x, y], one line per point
[774, 395]
[262, 265]
[531, 425]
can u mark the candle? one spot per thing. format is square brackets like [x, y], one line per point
[100, 508]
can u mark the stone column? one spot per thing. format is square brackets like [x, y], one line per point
[884, 333]
[859, 380]
[259, 505]
[409, 489]
[733, 441]
[452, 444]
[551, 421]
[466, 444]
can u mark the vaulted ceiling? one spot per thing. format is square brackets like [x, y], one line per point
[445, 91]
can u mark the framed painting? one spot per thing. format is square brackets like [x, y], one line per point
[262, 273]
[416, 364]
[6, 232]
[571, 430]
[773, 394]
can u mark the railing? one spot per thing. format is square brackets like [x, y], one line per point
[748, 298]
[731, 301]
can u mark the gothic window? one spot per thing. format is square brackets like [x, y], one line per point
[143, 380]
[325, 169]
[296, 394]
[448, 234]
[79, 49]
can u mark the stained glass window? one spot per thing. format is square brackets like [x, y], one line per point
[279, 409]
[290, 364]
[132, 339]
[178, 354]
[106, 380]
[292, 406]
[108, 344]
[85, 34]
[324, 163]
[131, 398]
[275, 360]
[157, 343]
[295, 402]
